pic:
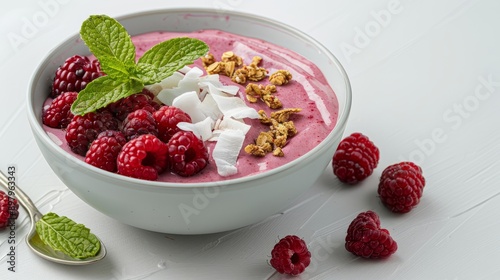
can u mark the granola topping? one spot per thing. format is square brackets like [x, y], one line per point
[280, 127]
[254, 92]
[273, 140]
[280, 77]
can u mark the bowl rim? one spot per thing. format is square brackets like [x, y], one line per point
[139, 183]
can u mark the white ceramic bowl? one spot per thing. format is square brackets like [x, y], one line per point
[195, 208]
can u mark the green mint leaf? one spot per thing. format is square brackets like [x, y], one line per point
[63, 234]
[169, 56]
[110, 43]
[146, 73]
[103, 91]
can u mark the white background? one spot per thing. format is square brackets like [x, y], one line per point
[425, 84]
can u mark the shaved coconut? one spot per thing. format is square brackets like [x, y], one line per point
[215, 88]
[234, 107]
[176, 85]
[190, 103]
[232, 124]
[185, 69]
[202, 130]
[154, 88]
[194, 73]
[226, 151]
[171, 81]
[209, 108]
[167, 95]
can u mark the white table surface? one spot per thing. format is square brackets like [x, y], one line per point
[426, 83]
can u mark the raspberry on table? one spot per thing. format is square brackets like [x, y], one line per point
[82, 130]
[355, 158]
[167, 118]
[76, 72]
[103, 152]
[9, 210]
[59, 114]
[143, 157]
[187, 154]
[365, 237]
[139, 122]
[401, 186]
[142, 100]
[290, 255]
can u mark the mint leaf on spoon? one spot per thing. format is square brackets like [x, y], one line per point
[110, 43]
[63, 234]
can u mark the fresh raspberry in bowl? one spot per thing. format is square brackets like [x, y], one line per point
[76, 72]
[59, 114]
[143, 157]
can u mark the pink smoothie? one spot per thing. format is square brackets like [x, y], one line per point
[307, 90]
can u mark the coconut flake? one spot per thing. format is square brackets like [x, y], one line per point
[226, 151]
[202, 129]
[233, 124]
[209, 108]
[234, 107]
[172, 80]
[190, 103]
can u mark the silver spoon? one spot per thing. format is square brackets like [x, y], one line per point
[33, 240]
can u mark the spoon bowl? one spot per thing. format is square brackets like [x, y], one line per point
[33, 240]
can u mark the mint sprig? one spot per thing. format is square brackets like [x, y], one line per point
[63, 234]
[110, 43]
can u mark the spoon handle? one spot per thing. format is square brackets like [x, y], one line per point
[21, 196]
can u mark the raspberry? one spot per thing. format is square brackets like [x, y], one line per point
[59, 115]
[167, 118]
[401, 186]
[82, 130]
[76, 72]
[104, 150]
[8, 210]
[366, 239]
[143, 100]
[290, 255]
[187, 153]
[143, 157]
[114, 133]
[137, 123]
[355, 158]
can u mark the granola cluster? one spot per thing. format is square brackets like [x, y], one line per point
[280, 127]
[254, 92]
[273, 140]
